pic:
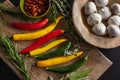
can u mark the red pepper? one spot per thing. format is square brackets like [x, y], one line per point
[42, 40]
[33, 26]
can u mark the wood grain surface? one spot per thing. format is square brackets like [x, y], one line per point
[97, 62]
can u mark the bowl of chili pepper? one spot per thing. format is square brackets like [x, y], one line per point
[35, 8]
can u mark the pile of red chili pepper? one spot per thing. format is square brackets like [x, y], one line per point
[35, 7]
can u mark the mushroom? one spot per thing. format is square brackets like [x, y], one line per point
[94, 18]
[113, 30]
[115, 7]
[90, 8]
[105, 13]
[101, 3]
[115, 20]
[99, 29]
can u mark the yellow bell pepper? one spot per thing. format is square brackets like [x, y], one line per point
[47, 47]
[57, 60]
[37, 34]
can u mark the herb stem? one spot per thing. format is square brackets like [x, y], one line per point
[17, 59]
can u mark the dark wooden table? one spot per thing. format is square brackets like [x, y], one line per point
[113, 73]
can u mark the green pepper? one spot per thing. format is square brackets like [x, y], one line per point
[69, 67]
[55, 53]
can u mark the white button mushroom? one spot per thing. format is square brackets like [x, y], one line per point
[94, 18]
[115, 7]
[90, 8]
[101, 3]
[105, 13]
[115, 20]
[99, 29]
[113, 30]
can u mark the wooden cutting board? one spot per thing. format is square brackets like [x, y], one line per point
[97, 61]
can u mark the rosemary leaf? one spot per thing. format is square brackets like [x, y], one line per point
[54, 12]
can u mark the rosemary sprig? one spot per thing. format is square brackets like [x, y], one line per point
[65, 10]
[54, 12]
[17, 59]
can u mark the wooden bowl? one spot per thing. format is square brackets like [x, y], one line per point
[85, 31]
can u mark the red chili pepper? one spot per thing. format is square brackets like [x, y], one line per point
[26, 26]
[42, 40]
